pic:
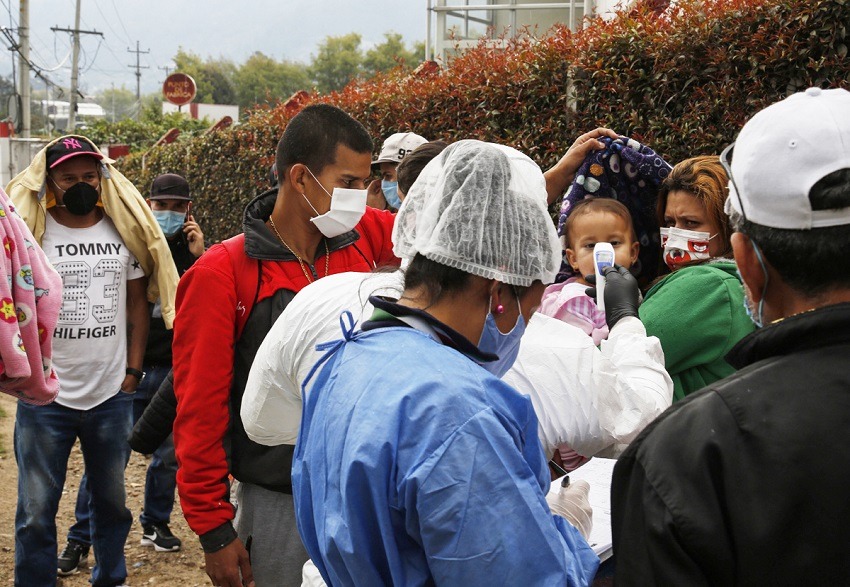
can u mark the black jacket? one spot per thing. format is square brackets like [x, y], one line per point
[156, 422]
[158, 347]
[746, 482]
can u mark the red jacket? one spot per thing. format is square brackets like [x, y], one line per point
[203, 349]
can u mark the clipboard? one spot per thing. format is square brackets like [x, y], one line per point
[597, 472]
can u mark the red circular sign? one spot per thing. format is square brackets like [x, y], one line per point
[179, 89]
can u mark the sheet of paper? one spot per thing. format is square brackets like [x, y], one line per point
[597, 472]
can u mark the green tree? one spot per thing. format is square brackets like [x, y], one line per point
[262, 79]
[119, 103]
[337, 62]
[152, 124]
[213, 77]
[391, 54]
[419, 52]
[151, 108]
[7, 89]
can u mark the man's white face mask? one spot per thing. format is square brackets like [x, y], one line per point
[347, 208]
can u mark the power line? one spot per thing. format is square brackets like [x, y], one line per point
[86, 63]
[118, 59]
[109, 24]
[96, 51]
[120, 21]
[14, 26]
[13, 46]
[57, 66]
[107, 71]
[149, 59]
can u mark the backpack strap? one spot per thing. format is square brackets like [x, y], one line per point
[246, 275]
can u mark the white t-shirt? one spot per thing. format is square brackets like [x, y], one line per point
[90, 341]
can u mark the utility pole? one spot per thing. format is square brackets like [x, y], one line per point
[167, 69]
[138, 67]
[24, 37]
[75, 72]
[75, 66]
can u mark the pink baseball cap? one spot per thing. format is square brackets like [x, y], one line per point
[67, 147]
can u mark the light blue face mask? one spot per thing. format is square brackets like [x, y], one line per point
[506, 346]
[170, 222]
[756, 316]
[390, 189]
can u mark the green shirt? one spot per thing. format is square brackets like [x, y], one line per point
[698, 315]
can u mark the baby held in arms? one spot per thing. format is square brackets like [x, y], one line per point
[591, 221]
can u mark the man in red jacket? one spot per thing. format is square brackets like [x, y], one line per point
[313, 224]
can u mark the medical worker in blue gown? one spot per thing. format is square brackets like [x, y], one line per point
[415, 463]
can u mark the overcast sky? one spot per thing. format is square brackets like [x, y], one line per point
[283, 29]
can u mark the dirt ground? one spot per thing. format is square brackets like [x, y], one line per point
[144, 566]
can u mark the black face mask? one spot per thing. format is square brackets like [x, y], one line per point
[80, 198]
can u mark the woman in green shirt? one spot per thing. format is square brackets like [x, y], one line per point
[696, 311]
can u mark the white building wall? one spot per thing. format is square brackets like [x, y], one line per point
[213, 112]
[16, 155]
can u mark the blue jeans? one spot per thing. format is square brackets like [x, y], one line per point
[44, 436]
[161, 479]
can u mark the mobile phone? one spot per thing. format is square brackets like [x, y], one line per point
[603, 256]
[183, 236]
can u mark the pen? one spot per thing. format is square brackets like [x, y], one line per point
[557, 468]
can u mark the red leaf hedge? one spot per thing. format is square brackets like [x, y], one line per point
[683, 83]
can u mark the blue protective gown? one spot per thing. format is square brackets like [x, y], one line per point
[416, 466]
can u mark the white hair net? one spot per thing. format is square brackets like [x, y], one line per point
[481, 208]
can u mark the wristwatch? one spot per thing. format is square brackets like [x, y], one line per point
[140, 375]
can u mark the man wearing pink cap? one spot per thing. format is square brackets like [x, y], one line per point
[98, 345]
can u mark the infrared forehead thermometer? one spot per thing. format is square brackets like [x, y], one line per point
[603, 256]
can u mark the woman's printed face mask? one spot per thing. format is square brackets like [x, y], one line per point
[683, 247]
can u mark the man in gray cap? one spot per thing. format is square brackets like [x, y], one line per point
[745, 482]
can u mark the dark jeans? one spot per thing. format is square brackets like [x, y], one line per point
[161, 479]
[44, 436]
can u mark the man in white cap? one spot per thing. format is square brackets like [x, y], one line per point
[383, 193]
[745, 482]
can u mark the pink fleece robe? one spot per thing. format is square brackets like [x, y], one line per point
[30, 300]
[569, 303]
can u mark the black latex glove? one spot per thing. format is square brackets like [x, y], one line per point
[622, 294]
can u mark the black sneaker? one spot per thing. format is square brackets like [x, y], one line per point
[160, 537]
[73, 555]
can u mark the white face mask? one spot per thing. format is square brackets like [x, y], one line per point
[347, 208]
[683, 247]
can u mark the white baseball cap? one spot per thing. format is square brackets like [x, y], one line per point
[783, 151]
[397, 146]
